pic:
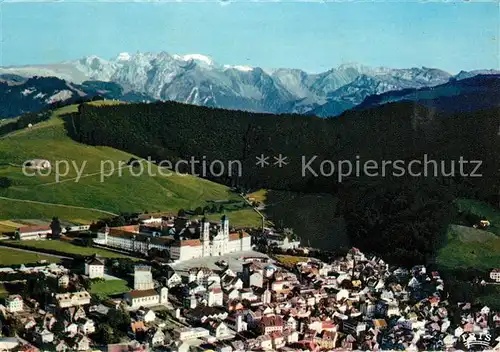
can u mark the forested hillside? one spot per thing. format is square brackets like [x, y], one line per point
[381, 213]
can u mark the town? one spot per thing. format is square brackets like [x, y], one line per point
[196, 285]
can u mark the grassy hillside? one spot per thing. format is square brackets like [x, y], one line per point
[482, 210]
[470, 248]
[467, 247]
[121, 192]
[69, 248]
[9, 256]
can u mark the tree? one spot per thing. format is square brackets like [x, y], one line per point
[118, 319]
[86, 283]
[199, 211]
[5, 182]
[105, 335]
[221, 208]
[117, 221]
[58, 328]
[56, 227]
[181, 213]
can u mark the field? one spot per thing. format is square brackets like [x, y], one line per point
[470, 248]
[238, 218]
[258, 196]
[9, 256]
[69, 248]
[481, 209]
[290, 260]
[98, 193]
[7, 227]
[109, 287]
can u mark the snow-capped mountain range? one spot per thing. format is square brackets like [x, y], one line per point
[198, 79]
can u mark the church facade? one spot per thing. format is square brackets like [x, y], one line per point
[215, 240]
[196, 240]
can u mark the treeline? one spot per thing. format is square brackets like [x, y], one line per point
[403, 217]
[33, 118]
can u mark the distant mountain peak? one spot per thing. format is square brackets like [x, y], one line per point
[123, 57]
[198, 79]
[196, 57]
[241, 68]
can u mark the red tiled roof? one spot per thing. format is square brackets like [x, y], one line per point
[192, 243]
[127, 228]
[26, 229]
[142, 293]
[272, 321]
[236, 236]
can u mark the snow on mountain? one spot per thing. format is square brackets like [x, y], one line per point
[123, 57]
[239, 68]
[197, 57]
[59, 96]
[198, 79]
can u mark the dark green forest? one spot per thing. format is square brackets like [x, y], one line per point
[403, 218]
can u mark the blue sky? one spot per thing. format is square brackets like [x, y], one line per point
[310, 36]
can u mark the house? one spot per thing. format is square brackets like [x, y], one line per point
[71, 329]
[14, 303]
[86, 326]
[8, 343]
[155, 337]
[269, 324]
[32, 232]
[94, 268]
[214, 297]
[81, 343]
[146, 315]
[63, 280]
[495, 275]
[75, 313]
[144, 298]
[256, 279]
[44, 336]
[236, 323]
[173, 280]
[189, 333]
[218, 329]
[66, 300]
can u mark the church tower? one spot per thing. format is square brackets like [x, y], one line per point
[205, 237]
[225, 231]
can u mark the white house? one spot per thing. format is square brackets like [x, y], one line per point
[94, 268]
[44, 336]
[214, 297]
[495, 275]
[188, 333]
[70, 328]
[86, 326]
[146, 298]
[219, 330]
[156, 337]
[63, 280]
[72, 299]
[174, 280]
[32, 232]
[14, 303]
[146, 315]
